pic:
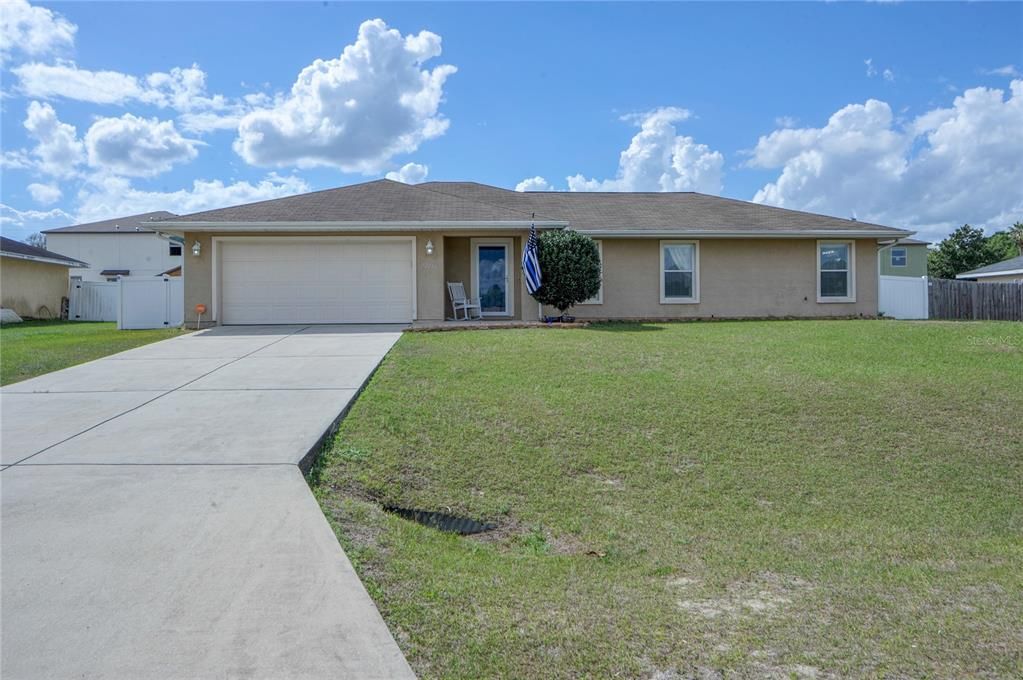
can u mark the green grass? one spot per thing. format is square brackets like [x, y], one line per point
[752, 498]
[32, 348]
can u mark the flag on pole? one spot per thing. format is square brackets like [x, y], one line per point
[530, 264]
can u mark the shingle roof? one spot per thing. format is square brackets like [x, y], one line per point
[612, 211]
[388, 201]
[12, 248]
[129, 224]
[381, 200]
[1013, 264]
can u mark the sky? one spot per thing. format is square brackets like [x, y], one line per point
[905, 114]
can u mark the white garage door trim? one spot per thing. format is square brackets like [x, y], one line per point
[222, 240]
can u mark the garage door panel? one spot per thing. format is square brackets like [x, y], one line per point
[316, 281]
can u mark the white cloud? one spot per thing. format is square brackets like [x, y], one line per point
[65, 79]
[534, 184]
[35, 31]
[357, 111]
[18, 224]
[58, 151]
[138, 147]
[786, 121]
[105, 197]
[887, 73]
[182, 89]
[659, 159]
[45, 194]
[946, 167]
[410, 173]
[1009, 71]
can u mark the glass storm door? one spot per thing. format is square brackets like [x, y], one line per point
[492, 276]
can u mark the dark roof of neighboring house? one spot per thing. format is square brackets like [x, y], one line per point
[912, 242]
[594, 212]
[11, 248]
[125, 225]
[1010, 266]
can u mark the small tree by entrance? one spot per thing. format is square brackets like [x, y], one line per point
[569, 269]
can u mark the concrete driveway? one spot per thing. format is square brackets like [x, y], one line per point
[156, 524]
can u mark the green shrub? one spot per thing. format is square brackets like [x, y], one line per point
[569, 268]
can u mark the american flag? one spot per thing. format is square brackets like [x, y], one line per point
[530, 265]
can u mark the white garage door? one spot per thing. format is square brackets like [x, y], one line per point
[316, 281]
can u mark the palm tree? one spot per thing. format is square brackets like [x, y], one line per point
[1016, 232]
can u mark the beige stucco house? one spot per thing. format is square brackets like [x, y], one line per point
[383, 251]
[33, 281]
[1006, 271]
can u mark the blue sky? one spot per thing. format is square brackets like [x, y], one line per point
[902, 113]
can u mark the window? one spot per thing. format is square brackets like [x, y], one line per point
[175, 250]
[598, 299]
[836, 279]
[898, 257]
[680, 272]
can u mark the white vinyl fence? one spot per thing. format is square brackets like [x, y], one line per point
[903, 297]
[93, 300]
[151, 302]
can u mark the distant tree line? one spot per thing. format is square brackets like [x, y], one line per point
[967, 248]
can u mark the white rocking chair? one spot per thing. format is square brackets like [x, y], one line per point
[459, 302]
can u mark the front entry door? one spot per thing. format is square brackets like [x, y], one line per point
[491, 276]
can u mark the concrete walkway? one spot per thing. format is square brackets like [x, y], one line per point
[155, 522]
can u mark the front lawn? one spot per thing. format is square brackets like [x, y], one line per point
[32, 348]
[748, 498]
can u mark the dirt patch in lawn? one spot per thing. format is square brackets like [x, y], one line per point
[762, 595]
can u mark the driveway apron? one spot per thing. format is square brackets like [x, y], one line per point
[155, 522]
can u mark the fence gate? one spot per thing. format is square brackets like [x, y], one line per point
[903, 297]
[93, 300]
[151, 302]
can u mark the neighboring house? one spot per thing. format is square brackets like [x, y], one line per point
[1006, 271]
[907, 257]
[120, 247]
[382, 251]
[33, 280]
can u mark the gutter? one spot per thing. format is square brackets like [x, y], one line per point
[46, 260]
[704, 233]
[182, 226]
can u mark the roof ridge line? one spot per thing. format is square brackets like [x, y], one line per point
[494, 205]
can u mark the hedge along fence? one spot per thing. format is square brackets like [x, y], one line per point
[954, 299]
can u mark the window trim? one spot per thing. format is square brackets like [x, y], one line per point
[598, 299]
[850, 273]
[905, 257]
[695, 298]
[179, 246]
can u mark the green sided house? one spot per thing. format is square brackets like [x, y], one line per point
[383, 252]
[907, 257]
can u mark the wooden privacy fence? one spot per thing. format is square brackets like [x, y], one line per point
[954, 299]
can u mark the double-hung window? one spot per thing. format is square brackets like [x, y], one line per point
[680, 272]
[836, 277]
[898, 257]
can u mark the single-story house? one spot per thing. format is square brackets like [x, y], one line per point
[906, 257]
[1006, 271]
[124, 246]
[382, 251]
[33, 281]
